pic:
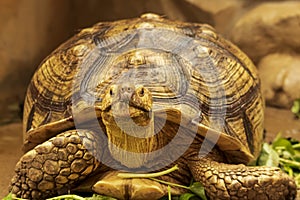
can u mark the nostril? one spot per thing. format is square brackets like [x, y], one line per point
[142, 92]
[111, 92]
[126, 89]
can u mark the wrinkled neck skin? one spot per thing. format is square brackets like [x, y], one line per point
[130, 139]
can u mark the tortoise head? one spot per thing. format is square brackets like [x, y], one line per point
[127, 101]
[129, 123]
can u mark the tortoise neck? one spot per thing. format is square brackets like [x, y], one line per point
[131, 143]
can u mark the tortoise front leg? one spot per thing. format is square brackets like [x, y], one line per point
[54, 166]
[226, 181]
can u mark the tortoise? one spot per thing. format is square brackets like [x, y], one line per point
[142, 95]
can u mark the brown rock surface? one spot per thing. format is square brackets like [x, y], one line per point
[223, 14]
[281, 120]
[29, 31]
[267, 28]
[280, 79]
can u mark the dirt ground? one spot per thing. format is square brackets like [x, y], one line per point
[11, 139]
[10, 152]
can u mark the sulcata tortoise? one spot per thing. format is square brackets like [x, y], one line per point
[142, 95]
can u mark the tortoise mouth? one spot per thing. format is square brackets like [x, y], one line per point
[121, 117]
[126, 111]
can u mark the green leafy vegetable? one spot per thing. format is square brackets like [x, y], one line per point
[198, 189]
[8, 197]
[283, 146]
[188, 196]
[268, 156]
[296, 108]
[283, 153]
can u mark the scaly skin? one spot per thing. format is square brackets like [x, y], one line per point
[225, 181]
[54, 166]
[59, 164]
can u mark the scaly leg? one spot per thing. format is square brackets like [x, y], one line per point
[228, 181]
[54, 166]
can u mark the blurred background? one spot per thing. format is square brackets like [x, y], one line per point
[267, 31]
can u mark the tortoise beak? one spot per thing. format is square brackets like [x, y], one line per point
[122, 98]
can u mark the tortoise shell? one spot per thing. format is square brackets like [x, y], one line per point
[208, 84]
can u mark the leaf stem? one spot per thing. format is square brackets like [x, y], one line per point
[72, 196]
[169, 193]
[296, 146]
[280, 148]
[170, 184]
[150, 175]
[290, 162]
[17, 198]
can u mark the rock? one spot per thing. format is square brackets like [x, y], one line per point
[213, 7]
[223, 13]
[268, 28]
[280, 79]
[29, 33]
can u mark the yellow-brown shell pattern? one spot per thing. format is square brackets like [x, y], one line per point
[180, 63]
